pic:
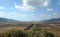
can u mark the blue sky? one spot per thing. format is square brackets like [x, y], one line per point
[30, 10]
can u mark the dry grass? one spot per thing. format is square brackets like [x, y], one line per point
[3, 29]
[54, 31]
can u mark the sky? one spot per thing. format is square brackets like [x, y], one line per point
[30, 10]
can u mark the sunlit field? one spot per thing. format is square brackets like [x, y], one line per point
[51, 28]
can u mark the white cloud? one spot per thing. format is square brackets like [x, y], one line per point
[22, 16]
[2, 14]
[32, 4]
[57, 15]
[18, 16]
[43, 16]
[47, 3]
[50, 9]
[24, 8]
[28, 17]
[1, 7]
[12, 15]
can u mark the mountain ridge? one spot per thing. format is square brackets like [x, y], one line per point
[5, 21]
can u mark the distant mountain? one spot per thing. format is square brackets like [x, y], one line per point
[4, 21]
[11, 22]
[53, 20]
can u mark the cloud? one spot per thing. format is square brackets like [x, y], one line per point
[47, 3]
[2, 14]
[50, 9]
[56, 15]
[32, 4]
[18, 16]
[23, 8]
[43, 16]
[11, 15]
[1, 7]
[28, 17]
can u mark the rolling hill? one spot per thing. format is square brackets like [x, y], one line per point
[11, 22]
[53, 20]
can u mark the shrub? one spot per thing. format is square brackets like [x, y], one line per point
[14, 33]
[35, 32]
[49, 34]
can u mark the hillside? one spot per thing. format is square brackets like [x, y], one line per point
[10, 22]
[53, 20]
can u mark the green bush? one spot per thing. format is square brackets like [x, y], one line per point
[37, 32]
[14, 33]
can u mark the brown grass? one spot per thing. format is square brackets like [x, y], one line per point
[3, 29]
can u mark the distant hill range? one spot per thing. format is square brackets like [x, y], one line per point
[53, 20]
[8, 22]
[11, 22]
